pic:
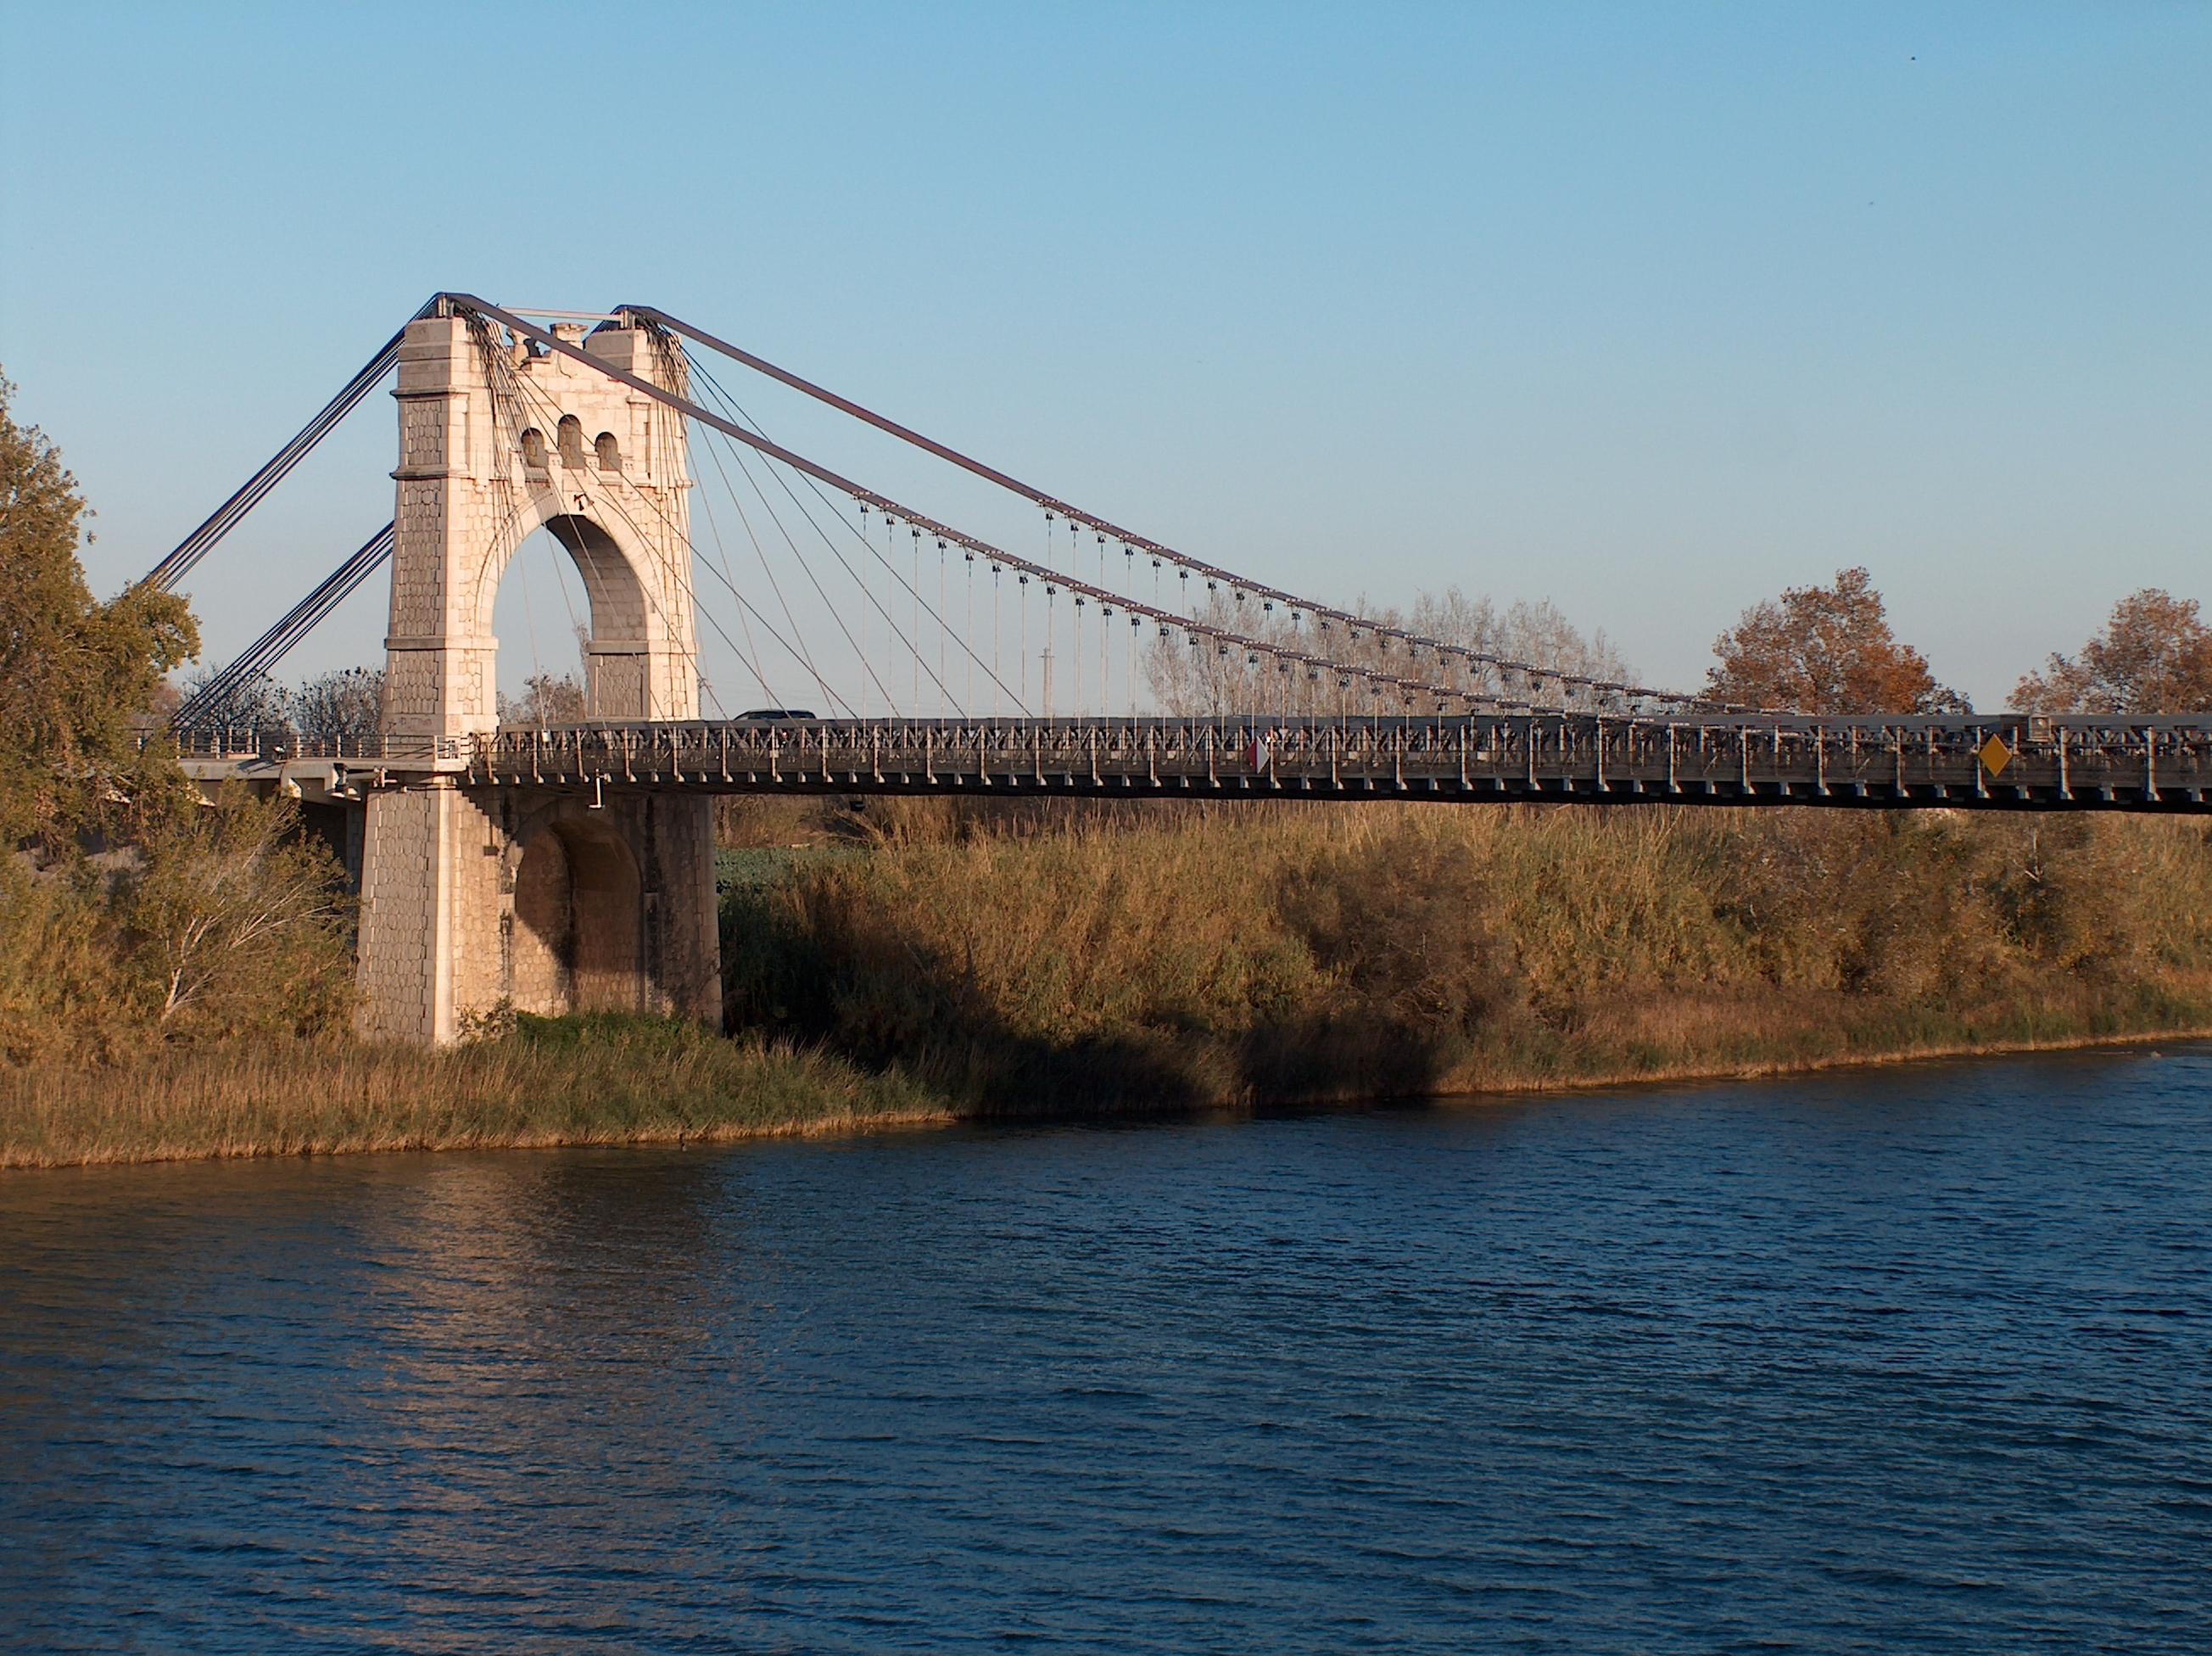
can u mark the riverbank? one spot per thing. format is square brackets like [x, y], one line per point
[950, 965]
[570, 1082]
[615, 1082]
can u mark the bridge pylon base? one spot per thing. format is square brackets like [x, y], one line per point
[540, 900]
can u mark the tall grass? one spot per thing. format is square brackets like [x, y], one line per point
[1328, 952]
[598, 1080]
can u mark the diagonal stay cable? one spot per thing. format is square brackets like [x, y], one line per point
[670, 527]
[1051, 578]
[526, 391]
[869, 497]
[836, 613]
[179, 560]
[730, 404]
[1054, 505]
[967, 647]
[798, 651]
[1106, 596]
[760, 554]
[265, 651]
[890, 620]
[721, 566]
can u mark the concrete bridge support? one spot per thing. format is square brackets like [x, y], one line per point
[475, 896]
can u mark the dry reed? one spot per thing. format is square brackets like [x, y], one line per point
[953, 963]
[602, 1081]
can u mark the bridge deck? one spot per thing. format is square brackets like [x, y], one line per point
[2004, 762]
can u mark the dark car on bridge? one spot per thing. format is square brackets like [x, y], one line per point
[771, 715]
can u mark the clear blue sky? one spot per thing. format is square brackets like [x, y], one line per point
[1651, 310]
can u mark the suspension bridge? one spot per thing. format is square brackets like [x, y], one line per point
[559, 864]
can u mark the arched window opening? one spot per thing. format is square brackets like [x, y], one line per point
[571, 431]
[533, 449]
[609, 452]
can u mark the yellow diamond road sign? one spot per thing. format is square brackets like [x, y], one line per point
[1994, 756]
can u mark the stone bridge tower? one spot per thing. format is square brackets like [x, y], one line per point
[548, 901]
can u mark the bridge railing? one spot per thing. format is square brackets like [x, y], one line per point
[276, 745]
[2001, 759]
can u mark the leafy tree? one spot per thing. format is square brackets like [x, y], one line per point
[73, 670]
[206, 922]
[66, 987]
[1824, 649]
[2153, 655]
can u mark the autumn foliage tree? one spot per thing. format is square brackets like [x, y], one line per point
[2153, 655]
[194, 921]
[1824, 649]
[73, 670]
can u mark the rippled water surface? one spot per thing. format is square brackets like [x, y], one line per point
[1914, 1361]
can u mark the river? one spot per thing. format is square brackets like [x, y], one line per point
[1910, 1360]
